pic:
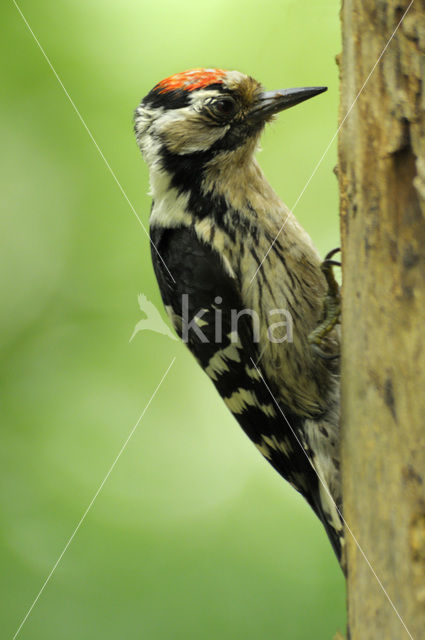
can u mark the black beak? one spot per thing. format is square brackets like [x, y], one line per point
[271, 102]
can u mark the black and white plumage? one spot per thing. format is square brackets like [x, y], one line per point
[218, 255]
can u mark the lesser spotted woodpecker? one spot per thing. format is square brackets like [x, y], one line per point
[240, 278]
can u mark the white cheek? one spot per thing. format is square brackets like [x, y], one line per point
[173, 125]
[142, 121]
[203, 142]
[150, 147]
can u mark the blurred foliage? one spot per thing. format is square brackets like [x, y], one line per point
[193, 535]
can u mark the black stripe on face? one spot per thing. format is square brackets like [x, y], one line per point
[187, 176]
[174, 99]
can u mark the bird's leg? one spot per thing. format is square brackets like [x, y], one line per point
[331, 307]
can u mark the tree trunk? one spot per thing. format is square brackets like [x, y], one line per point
[382, 182]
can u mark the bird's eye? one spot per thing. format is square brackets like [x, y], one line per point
[224, 106]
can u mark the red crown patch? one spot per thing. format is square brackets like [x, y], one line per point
[191, 80]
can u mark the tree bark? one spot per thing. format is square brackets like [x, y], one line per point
[382, 183]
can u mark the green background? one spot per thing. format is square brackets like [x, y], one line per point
[193, 535]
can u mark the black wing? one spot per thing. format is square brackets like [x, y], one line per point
[204, 289]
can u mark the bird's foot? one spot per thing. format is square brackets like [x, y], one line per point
[331, 307]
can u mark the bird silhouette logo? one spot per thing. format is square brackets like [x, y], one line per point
[153, 320]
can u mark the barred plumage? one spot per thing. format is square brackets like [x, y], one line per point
[220, 257]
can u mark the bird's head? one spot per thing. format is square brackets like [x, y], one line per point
[205, 112]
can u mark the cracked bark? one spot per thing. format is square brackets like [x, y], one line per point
[382, 184]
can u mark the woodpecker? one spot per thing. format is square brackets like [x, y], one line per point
[229, 257]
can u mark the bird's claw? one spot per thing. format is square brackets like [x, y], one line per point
[327, 269]
[331, 308]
